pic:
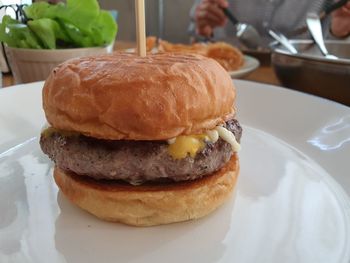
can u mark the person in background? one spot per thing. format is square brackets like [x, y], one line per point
[340, 26]
[208, 19]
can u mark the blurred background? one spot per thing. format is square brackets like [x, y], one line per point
[266, 60]
[167, 17]
[175, 14]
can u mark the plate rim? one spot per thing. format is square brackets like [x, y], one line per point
[245, 70]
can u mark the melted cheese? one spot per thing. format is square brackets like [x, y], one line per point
[184, 145]
[47, 132]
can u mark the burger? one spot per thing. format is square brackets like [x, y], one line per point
[142, 140]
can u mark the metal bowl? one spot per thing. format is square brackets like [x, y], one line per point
[310, 72]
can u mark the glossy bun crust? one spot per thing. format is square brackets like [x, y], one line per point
[123, 96]
[153, 204]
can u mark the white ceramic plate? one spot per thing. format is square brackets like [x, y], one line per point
[250, 64]
[290, 204]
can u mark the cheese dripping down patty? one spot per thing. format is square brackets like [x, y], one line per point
[181, 146]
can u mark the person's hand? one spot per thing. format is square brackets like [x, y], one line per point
[209, 15]
[340, 24]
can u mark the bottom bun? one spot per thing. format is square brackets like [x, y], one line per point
[150, 204]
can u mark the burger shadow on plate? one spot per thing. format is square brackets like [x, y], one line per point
[81, 236]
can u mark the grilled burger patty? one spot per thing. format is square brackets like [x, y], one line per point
[134, 161]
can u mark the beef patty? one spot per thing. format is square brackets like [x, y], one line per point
[134, 161]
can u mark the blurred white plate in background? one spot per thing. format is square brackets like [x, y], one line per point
[250, 64]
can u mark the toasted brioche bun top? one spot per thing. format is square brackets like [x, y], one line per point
[123, 96]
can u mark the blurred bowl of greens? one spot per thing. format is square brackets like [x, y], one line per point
[29, 65]
[47, 35]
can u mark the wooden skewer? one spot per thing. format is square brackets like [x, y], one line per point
[140, 27]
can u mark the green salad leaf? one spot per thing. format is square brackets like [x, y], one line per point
[15, 34]
[43, 10]
[48, 31]
[74, 24]
[88, 11]
[103, 30]
[80, 38]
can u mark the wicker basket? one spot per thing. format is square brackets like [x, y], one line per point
[29, 65]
